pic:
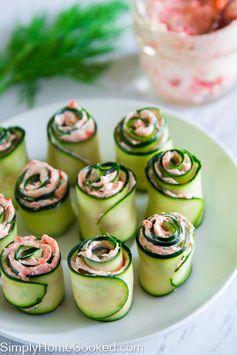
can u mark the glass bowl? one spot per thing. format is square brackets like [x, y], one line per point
[186, 69]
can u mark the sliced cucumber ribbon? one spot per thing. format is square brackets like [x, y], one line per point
[165, 245]
[73, 124]
[102, 277]
[100, 256]
[32, 274]
[10, 138]
[138, 136]
[103, 180]
[166, 235]
[41, 186]
[13, 157]
[28, 257]
[173, 171]
[142, 131]
[174, 178]
[72, 136]
[42, 193]
[7, 221]
[106, 200]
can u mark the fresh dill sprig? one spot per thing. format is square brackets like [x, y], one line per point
[72, 44]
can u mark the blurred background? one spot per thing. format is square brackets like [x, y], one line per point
[117, 80]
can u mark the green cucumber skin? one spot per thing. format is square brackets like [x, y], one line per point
[10, 168]
[22, 294]
[183, 280]
[91, 294]
[106, 265]
[85, 153]
[120, 220]
[155, 295]
[63, 161]
[193, 187]
[192, 209]
[54, 295]
[114, 318]
[9, 238]
[137, 163]
[40, 313]
[48, 296]
[94, 286]
[155, 274]
[128, 278]
[53, 222]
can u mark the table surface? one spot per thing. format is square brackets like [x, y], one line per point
[213, 331]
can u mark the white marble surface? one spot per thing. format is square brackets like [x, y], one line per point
[213, 331]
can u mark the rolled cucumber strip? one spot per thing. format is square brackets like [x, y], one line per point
[174, 184]
[102, 277]
[138, 136]
[165, 246]
[32, 276]
[72, 140]
[8, 226]
[43, 196]
[13, 157]
[106, 201]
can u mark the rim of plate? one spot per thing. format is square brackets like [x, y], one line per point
[171, 113]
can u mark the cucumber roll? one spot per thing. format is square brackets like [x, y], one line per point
[106, 201]
[165, 246]
[102, 277]
[43, 196]
[174, 179]
[13, 158]
[8, 228]
[138, 137]
[32, 275]
[72, 140]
